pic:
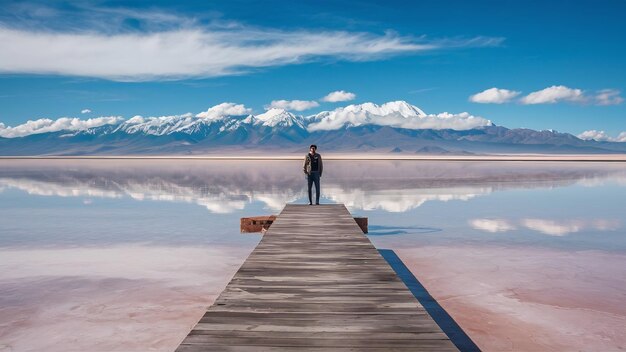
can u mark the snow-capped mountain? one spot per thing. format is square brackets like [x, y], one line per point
[395, 126]
[280, 118]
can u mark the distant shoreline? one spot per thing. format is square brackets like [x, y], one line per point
[337, 156]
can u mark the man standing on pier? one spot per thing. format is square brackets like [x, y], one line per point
[313, 169]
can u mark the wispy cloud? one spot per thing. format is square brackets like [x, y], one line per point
[422, 90]
[85, 111]
[339, 95]
[494, 96]
[165, 46]
[608, 97]
[295, 105]
[602, 136]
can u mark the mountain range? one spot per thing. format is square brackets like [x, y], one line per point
[394, 127]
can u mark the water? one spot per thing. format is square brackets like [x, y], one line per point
[125, 255]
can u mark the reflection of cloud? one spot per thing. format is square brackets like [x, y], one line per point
[492, 225]
[553, 228]
[227, 186]
[42, 188]
[276, 201]
[546, 226]
[618, 179]
[604, 224]
[399, 200]
[231, 199]
[561, 228]
[222, 202]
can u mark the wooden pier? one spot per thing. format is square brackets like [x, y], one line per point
[316, 283]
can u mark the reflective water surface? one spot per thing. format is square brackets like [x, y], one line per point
[125, 255]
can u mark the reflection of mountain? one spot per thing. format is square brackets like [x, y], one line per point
[226, 186]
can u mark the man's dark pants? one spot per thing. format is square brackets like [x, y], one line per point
[314, 177]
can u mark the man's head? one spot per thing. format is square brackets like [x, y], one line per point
[313, 148]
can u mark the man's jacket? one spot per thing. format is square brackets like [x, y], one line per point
[307, 163]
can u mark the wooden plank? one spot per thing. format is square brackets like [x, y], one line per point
[316, 283]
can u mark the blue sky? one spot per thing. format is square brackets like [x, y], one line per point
[159, 58]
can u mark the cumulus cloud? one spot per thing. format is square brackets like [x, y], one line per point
[608, 97]
[339, 95]
[197, 51]
[394, 114]
[554, 94]
[602, 136]
[595, 135]
[61, 124]
[296, 105]
[492, 225]
[494, 96]
[224, 109]
[85, 111]
[550, 95]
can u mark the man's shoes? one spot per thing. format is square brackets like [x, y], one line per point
[310, 203]
[317, 203]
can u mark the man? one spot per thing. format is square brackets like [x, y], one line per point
[313, 169]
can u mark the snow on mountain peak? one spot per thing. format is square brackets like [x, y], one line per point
[401, 108]
[279, 117]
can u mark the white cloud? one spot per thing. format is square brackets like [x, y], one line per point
[339, 95]
[492, 225]
[296, 105]
[602, 136]
[85, 111]
[195, 51]
[61, 124]
[224, 109]
[554, 94]
[608, 97]
[494, 96]
[395, 114]
[595, 135]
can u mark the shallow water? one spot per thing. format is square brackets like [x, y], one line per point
[124, 255]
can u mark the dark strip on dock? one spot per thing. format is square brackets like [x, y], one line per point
[316, 283]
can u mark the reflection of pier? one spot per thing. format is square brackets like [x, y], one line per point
[315, 281]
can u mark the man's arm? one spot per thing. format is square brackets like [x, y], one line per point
[321, 166]
[304, 166]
